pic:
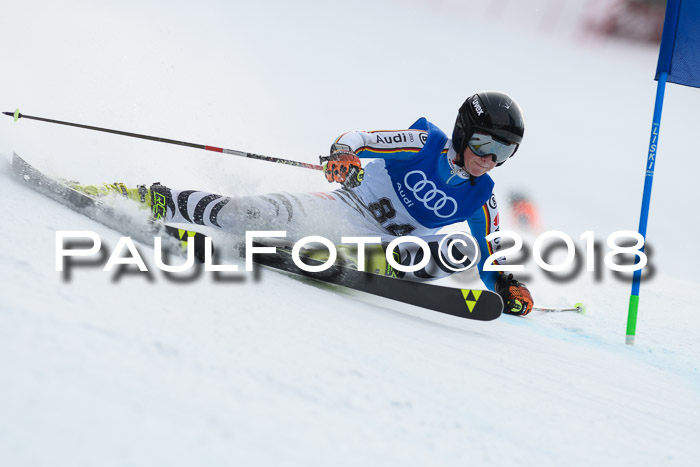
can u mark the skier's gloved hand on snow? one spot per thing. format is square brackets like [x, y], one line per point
[343, 166]
[516, 297]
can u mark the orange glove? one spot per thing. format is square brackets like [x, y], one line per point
[516, 297]
[343, 166]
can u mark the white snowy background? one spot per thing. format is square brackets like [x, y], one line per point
[137, 369]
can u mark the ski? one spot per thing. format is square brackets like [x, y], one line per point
[482, 305]
[96, 210]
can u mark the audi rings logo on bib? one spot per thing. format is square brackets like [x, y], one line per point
[427, 193]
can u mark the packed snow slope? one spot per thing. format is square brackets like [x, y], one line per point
[129, 368]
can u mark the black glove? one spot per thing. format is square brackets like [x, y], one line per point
[343, 166]
[516, 297]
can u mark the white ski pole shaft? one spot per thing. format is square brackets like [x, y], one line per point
[578, 308]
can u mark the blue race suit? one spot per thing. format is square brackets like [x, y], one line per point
[429, 191]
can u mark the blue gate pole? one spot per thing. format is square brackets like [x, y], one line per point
[646, 198]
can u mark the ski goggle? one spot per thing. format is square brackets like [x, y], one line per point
[484, 145]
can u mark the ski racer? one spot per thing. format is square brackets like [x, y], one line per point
[417, 182]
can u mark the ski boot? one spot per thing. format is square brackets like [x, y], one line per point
[138, 194]
[374, 262]
[155, 198]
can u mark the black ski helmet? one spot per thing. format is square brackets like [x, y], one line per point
[491, 112]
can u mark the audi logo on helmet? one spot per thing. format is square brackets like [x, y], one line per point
[427, 193]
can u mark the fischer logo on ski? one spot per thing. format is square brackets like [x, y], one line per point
[471, 297]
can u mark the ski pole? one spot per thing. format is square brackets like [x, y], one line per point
[578, 308]
[232, 152]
